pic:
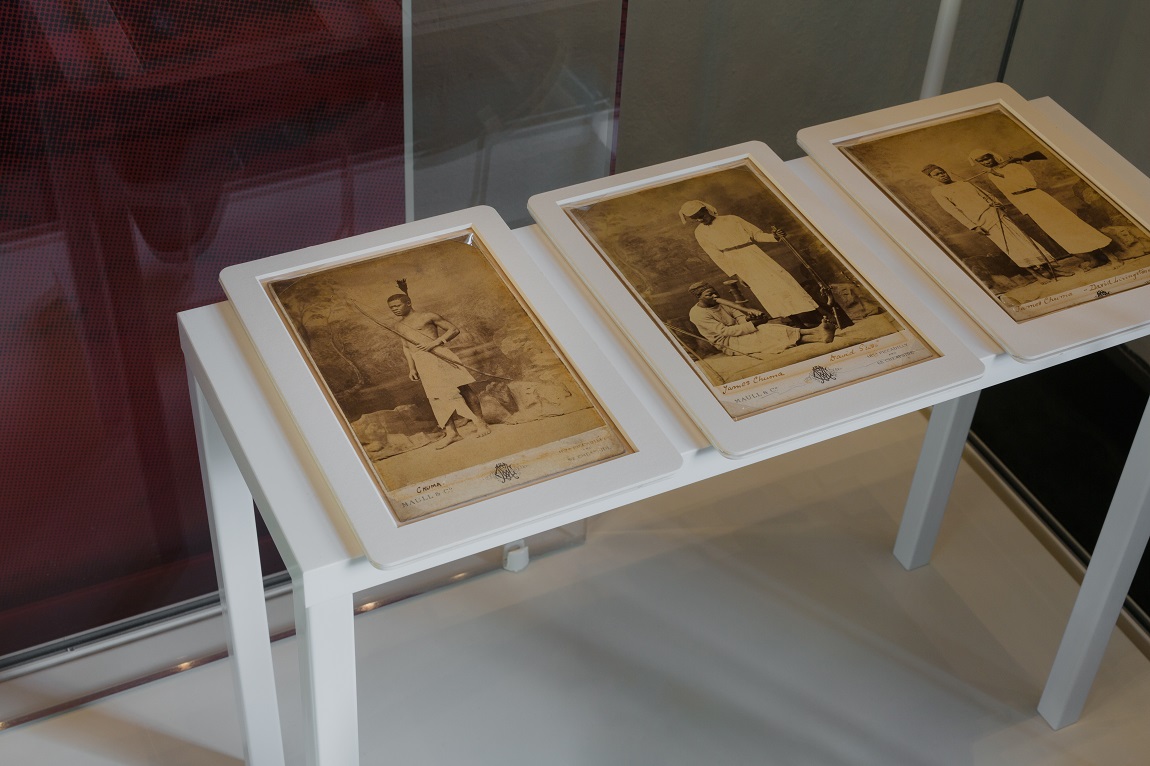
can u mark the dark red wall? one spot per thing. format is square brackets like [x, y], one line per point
[141, 152]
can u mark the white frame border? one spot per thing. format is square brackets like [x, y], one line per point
[385, 541]
[739, 438]
[1091, 158]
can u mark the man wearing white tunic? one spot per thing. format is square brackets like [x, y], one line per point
[733, 244]
[976, 210]
[1017, 184]
[444, 378]
[725, 326]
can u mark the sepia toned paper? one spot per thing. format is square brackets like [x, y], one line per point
[441, 376]
[1028, 228]
[758, 302]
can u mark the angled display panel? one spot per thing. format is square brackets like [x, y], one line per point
[1030, 223]
[443, 390]
[766, 318]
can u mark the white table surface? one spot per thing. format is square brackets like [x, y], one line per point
[320, 551]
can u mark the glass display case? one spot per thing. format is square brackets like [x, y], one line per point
[148, 144]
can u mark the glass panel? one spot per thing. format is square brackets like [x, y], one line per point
[701, 76]
[147, 145]
[144, 147]
[1061, 437]
[1079, 418]
[1093, 60]
[511, 98]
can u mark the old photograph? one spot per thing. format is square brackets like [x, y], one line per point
[756, 299]
[442, 376]
[1016, 216]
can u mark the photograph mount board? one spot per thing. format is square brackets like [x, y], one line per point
[1034, 227]
[765, 317]
[443, 390]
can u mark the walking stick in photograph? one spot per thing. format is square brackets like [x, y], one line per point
[837, 314]
[1006, 243]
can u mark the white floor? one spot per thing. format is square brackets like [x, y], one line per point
[759, 618]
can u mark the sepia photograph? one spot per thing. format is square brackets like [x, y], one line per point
[442, 376]
[1015, 216]
[757, 300]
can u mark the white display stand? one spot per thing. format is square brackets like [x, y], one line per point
[250, 449]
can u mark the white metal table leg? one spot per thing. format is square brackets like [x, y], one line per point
[933, 478]
[326, 636]
[231, 519]
[1120, 546]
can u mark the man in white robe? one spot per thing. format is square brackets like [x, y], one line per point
[733, 244]
[976, 210]
[1018, 186]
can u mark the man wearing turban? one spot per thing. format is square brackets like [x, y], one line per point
[976, 210]
[725, 326]
[733, 244]
[1017, 184]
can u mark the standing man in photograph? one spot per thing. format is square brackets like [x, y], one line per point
[733, 245]
[977, 211]
[1062, 225]
[445, 379]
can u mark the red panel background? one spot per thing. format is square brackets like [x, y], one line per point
[144, 146]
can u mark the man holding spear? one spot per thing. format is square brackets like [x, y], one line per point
[445, 379]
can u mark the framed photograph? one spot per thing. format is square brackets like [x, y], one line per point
[766, 318]
[1028, 221]
[443, 389]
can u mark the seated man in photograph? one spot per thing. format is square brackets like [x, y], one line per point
[729, 327]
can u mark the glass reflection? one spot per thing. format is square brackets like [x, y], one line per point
[146, 144]
[510, 99]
